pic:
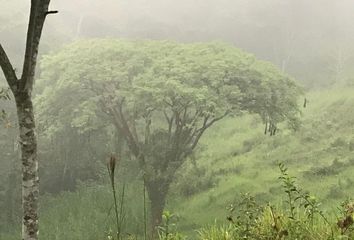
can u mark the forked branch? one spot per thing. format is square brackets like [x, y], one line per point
[8, 70]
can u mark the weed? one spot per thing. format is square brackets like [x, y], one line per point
[118, 203]
[168, 229]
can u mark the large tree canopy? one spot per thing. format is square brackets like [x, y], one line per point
[158, 77]
[160, 96]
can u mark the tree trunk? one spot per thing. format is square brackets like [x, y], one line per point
[157, 190]
[30, 180]
[157, 207]
[22, 89]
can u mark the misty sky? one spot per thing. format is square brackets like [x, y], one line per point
[298, 36]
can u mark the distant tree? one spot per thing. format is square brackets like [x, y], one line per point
[161, 97]
[22, 90]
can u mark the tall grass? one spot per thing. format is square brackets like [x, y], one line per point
[118, 203]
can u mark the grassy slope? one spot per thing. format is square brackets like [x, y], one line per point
[243, 160]
[246, 161]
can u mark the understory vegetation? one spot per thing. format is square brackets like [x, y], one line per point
[241, 196]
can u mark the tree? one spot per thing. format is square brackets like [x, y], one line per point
[22, 90]
[161, 97]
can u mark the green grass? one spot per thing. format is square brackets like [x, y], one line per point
[328, 117]
[238, 158]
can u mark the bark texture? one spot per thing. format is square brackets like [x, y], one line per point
[22, 90]
[30, 180]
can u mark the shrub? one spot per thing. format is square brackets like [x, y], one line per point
[195, 180]
[215, 232]
[323, 171]
[339, 143]
[168, 229]
[301, 219]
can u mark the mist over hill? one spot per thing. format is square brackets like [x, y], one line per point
[310, 40]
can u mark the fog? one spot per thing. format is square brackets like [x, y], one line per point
[298, 36]
[173, 120]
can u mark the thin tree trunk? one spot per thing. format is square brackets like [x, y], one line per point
[22, 90]
[30, 180]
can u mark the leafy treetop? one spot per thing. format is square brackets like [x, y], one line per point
[158, 80]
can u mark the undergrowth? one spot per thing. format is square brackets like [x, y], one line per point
[300, 217]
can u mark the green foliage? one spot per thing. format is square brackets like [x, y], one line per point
[215, 232]
[258, 167]
[333, 169]
[160, 97]
[193, 179]
[346, 219]
[168, 229]
[210, 78]
[302, 218]
[90, 204]
[244, 216]
[297, 198]
[88, 213]
[339, 143]
[117, 200]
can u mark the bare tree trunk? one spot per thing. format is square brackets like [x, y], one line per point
[30, 180]
[22, 90]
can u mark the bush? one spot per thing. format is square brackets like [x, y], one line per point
[301, 218]
[323, 171]
[339, 143]
[195, 180]
[215, 232]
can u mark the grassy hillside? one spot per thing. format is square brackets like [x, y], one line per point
[242, 159]
[234, 157]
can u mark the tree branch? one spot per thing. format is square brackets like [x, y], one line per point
[124, 128]
[51, 12]
[8, 70]
[205, 126]
[39, 9]
[195, 117]
[169, 123]
[116, 112]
